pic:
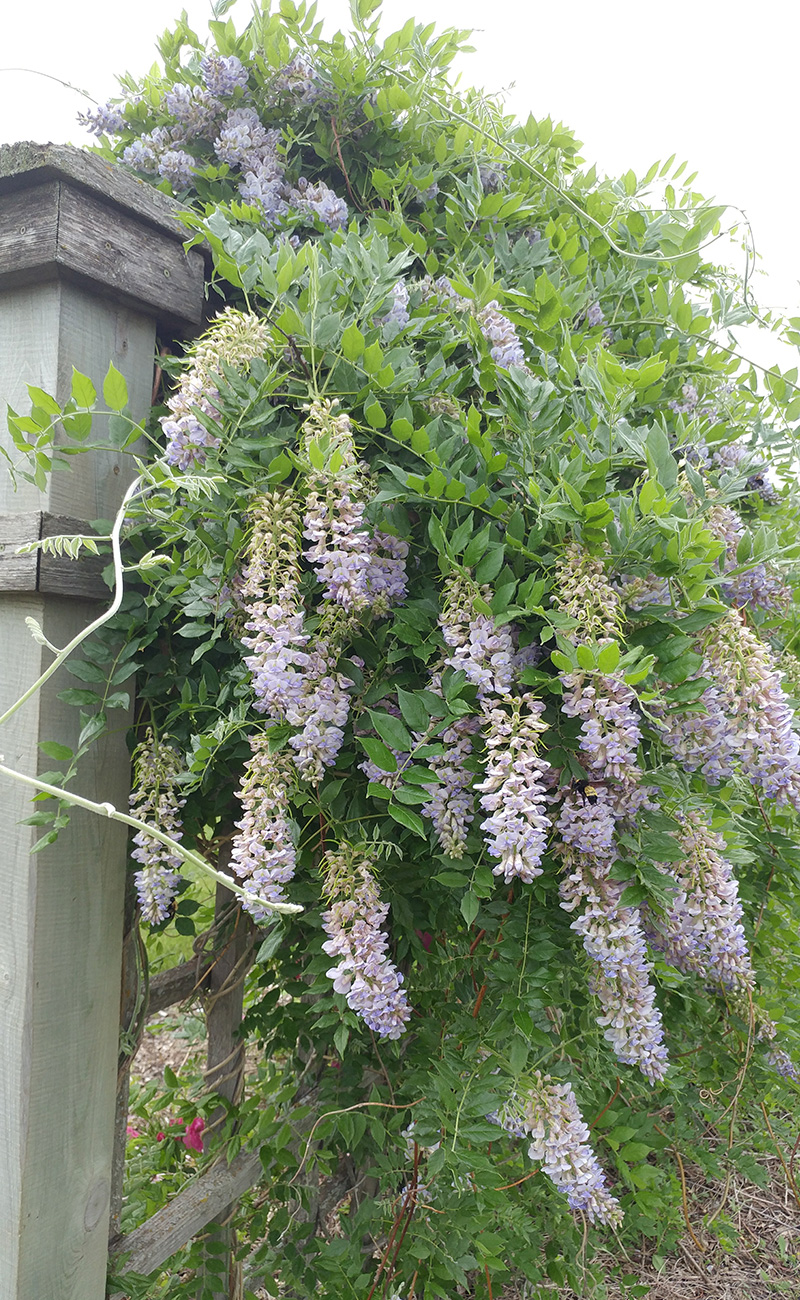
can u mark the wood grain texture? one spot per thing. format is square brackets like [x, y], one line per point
[146, 1248]
[56, 575]
[177, 984]
[225, 1062]
[65, 212]
[27, 163]
[61, 922]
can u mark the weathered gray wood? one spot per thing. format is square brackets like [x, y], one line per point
[132, 1019]
[177, 984]
[28, 163]
[61, 921]
[68, 217]
[146, 1248]
[225, 1062]
[40, 571]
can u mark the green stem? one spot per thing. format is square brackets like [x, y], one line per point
[61, 655]
[108, 810]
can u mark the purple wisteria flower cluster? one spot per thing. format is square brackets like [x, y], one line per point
[235, 338]
[217, 116]
[503, 340]
[477, 645]
[155, 800]
[748, 721]
[263, 853]
[514, 790]
[701, 929]
[398, 314]
[586, 594]
[761, 585]
[549, 1115]
[451, 806]
[362, 569]
[613, 937]
[293, 681]
[371, 983]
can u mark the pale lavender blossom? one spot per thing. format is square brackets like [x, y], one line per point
[781, 1061]
[361, 568]
[500, 334]
[588, 824]
[142, 155]
[484, 650]
[106, 119]
[750, 720]
[155, 800]
[194, 109]
[223, 74]
[690, 399]
[364, 973]
[320, 199]
[347, 555]
[701, 929]
[177, 166]
[610, 731]
[321, 710]
[706, 741]
[594, 315]
[761, 585]
[398, 313]
[585, 593]
[451, 806]
[233, 338]
[243, 140]
[294, 681]
[548, 1113]
[513, 791]
[613, 938]
[263, 852]
[298, 78]
[265, 191]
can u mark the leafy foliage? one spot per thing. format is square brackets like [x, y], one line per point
[564, 396]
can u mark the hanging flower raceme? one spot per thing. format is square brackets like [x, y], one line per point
[234, 338]
[549, 1115]
[263, 853]
[323, 705]
[451, 806]
[155, 800]
[585, 593]
[503, 340]
[361, 569]
[478, 645]
[364, 973]
[701, 930]
[513, 792]
[295, 680]
[760, 585]
[270, 595]
[749, 718]
[613, 938]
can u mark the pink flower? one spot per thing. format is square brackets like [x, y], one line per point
[132, 1132]
[160, 1137]
[192, 1137]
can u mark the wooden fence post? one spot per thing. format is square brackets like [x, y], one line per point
[91, 263]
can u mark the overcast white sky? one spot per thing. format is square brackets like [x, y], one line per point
[715, 83]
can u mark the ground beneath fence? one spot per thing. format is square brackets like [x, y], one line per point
[762, 1224]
